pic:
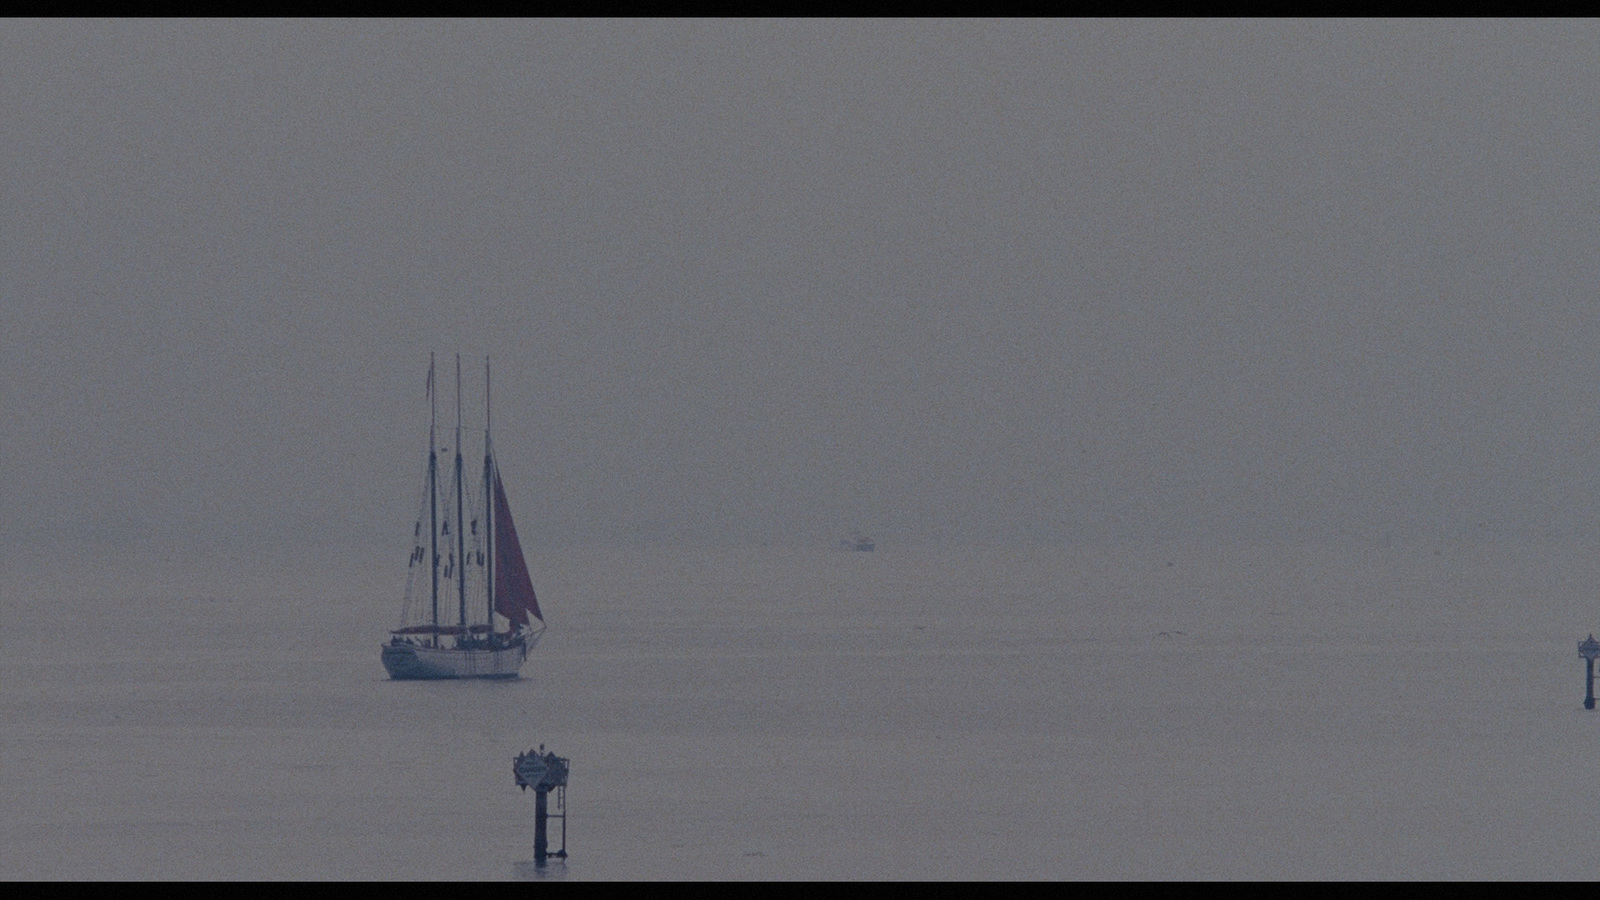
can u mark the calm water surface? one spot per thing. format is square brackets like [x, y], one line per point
[996, 713]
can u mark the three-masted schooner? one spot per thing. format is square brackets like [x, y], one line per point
[470, 610]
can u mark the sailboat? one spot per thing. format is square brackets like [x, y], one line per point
[470, 610]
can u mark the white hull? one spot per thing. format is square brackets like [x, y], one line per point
[409, 661]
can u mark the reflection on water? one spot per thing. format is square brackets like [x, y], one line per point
[528, 870]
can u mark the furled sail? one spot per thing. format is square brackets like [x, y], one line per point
[513, 589]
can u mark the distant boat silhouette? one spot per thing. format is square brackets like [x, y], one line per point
[858, 541]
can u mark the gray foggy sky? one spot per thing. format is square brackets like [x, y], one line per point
[775, 281]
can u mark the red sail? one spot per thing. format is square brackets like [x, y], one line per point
[513, 589]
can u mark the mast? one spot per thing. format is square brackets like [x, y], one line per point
[433, 499]
[461, 533]
[488, 500]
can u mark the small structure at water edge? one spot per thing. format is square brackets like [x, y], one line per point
[544, 771]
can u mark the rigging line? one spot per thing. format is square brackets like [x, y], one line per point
[418, 552]
[488, 498]
[433, 497]
[461, 539]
